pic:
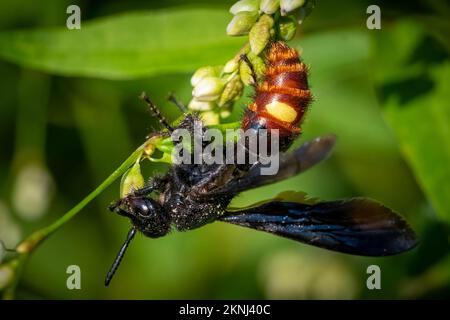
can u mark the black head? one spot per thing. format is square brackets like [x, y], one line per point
[146, 215]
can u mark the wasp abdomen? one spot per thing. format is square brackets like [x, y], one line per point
[282, 99]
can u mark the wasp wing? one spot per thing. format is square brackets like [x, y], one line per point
[291, 164]
[356, 226]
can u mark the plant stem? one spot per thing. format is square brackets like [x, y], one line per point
[29, 244]
[35, 238]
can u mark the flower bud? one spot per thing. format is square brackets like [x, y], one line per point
[131, 180]
[231, 66]
[269, 6]
[32, 192]
[245, 73]
[287, 6]
[233, 91]
[210, 118]
[260, 34]
[258, 65]
[242, 23]
[208, 89]
[287, 27]
[245, 5]
[202, 73]
[196, 105]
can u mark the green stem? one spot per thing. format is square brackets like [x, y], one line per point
[17, 265]
[27, 246]
[31, 242]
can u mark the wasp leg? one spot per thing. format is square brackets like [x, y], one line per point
[155, 184]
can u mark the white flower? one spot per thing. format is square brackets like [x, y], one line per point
[208, 89]
[245, 5]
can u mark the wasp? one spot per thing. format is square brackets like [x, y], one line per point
[190, 196]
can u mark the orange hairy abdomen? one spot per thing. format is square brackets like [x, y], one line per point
[282, 98]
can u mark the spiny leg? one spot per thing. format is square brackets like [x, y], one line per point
[156, 112]
[156, 183]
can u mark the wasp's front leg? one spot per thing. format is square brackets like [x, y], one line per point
[155, 184]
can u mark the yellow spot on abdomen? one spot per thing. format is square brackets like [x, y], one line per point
[281, 111]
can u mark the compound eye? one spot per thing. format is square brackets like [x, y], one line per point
[142, 207]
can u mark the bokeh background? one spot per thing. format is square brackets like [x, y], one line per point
[69, 115]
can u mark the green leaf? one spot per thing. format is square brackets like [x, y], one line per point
[126, 46]
[415, 91]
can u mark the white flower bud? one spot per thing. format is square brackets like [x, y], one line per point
[32, 191]
[208, 89]
[245, 5]
[269, 6]
[196, 105]
[202, 73]
[231, 66]
[210, 118]
[242, 23]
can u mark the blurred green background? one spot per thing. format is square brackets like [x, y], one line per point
[69, 115]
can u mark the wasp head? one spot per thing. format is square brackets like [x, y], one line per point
[146, 214]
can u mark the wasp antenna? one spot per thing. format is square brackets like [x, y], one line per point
[171, 97]
[243, 57]
[156, 112]
[120, 255]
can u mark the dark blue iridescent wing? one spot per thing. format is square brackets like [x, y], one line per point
[306, 156]
[356, 226]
